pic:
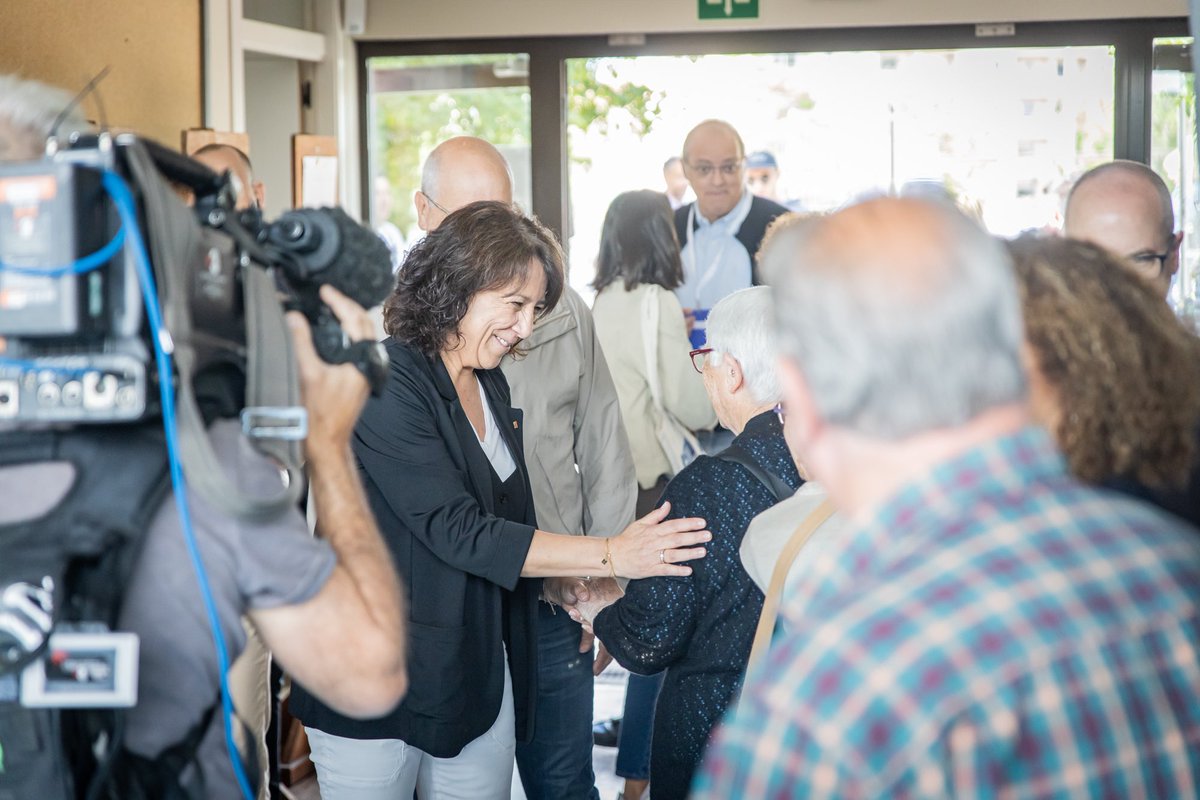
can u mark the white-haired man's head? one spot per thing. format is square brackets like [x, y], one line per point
[902, 316]
[900, 340]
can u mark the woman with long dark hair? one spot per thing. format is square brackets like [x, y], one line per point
[639, 257]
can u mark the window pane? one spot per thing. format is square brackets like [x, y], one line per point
[416, 102]
[1173, 156]
[1002, 130]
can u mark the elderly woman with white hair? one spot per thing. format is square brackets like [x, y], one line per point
[700, 628]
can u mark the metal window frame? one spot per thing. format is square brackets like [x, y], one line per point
[1132, 41]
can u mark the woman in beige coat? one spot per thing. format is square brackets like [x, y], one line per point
[639, 256]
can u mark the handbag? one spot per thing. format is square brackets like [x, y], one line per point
[677, 442]
[770, 609]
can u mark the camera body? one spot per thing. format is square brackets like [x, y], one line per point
[71, 340]
[74, 345]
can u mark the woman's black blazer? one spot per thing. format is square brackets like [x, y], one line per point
[429, 485]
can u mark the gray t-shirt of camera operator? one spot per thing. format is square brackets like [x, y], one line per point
[249, 566]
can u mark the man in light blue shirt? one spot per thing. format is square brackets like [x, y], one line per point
[721, 231]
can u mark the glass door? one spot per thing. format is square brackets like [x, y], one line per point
[416, 102]
[1002, 131]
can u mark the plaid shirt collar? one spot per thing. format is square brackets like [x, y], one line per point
[1004, 466]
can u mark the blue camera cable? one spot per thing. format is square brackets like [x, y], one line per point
[163, 347]
[85, 264]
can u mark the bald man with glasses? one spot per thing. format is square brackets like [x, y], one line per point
[720, 232]
[1125, 207]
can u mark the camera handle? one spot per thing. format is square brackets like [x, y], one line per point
[334, 347]
[329, 340]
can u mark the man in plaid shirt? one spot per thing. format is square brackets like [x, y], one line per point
[993, 627]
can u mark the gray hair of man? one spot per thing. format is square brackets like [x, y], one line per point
[894, 352]
[740, 326]
[28, 110]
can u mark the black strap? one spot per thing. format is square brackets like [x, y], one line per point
[775, 485]
[135, 777]
[89, 545]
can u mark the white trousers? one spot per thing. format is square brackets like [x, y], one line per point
[390, 769]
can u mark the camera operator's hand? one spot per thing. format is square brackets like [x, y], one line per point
[334, 394]
[347, 643]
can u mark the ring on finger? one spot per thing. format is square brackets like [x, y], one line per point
[662, 556]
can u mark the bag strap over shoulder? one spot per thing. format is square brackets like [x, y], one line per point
[770, 609]
[775, 485]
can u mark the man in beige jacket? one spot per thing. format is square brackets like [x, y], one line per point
[580, 469]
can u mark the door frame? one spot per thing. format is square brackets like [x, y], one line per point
[1132, 42]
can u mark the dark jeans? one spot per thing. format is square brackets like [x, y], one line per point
[637, 728]
[557, 764]
[641, 692]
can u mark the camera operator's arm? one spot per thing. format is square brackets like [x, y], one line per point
[346, 644]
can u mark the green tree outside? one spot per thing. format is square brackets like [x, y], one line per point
[405, 126]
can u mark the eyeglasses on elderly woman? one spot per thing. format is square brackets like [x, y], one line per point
[699, 356]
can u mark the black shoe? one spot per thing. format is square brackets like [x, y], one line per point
[605, 733]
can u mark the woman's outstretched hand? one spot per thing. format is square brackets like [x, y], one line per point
[650, 547]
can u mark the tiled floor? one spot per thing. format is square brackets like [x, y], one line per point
[608, 703]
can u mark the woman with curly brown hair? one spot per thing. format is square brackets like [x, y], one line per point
[1114, 375]
[442, 463]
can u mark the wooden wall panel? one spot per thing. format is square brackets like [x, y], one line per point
[153, 47]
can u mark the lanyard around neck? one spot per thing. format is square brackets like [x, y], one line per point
[730, 228]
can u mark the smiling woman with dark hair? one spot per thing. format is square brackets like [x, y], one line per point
[441, 456]
[489, 249]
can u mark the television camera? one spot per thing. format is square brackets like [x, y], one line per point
[74, 342]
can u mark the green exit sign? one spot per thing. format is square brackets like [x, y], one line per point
[728, 9]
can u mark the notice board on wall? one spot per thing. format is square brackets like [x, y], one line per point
[153, 49]
[314, 171]
[196, 138]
